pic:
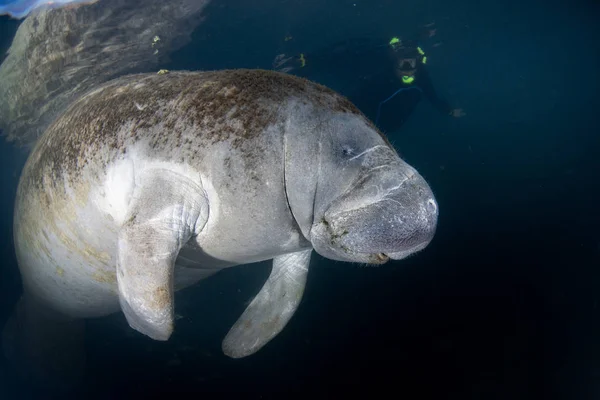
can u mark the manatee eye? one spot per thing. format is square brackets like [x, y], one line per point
[347, 151]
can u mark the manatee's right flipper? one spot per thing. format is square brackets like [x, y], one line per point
[44, 349]
[166, 210]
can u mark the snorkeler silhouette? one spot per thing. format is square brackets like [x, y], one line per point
[392, 76]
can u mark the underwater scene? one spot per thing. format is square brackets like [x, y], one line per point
[299, 199]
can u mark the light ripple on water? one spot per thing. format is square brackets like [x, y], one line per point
[20, 8]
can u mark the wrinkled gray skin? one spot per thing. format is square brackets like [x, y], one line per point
[60, 53]
[151, 183]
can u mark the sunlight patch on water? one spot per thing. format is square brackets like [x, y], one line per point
[20, 8]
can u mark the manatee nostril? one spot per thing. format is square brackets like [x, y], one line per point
[431, 206]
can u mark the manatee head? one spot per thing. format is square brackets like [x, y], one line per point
[369, 205]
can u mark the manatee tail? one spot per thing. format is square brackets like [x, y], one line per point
[44, 348]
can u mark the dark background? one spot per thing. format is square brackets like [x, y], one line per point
[503, 304]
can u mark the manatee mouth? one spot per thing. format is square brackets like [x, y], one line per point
[382, 258]
[377, 259]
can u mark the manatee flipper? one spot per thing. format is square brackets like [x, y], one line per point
[165, 211]
[44, 349]
[272, 308]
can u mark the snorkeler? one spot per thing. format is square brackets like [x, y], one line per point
[392, 77]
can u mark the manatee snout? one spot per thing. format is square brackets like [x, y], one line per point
[390, 215]
[417, 211]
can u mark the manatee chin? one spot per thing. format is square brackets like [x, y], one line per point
[390, 213]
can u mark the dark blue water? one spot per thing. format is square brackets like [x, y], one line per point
[503, 304]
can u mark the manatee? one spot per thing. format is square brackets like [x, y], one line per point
[58, 54]
[150, 183]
